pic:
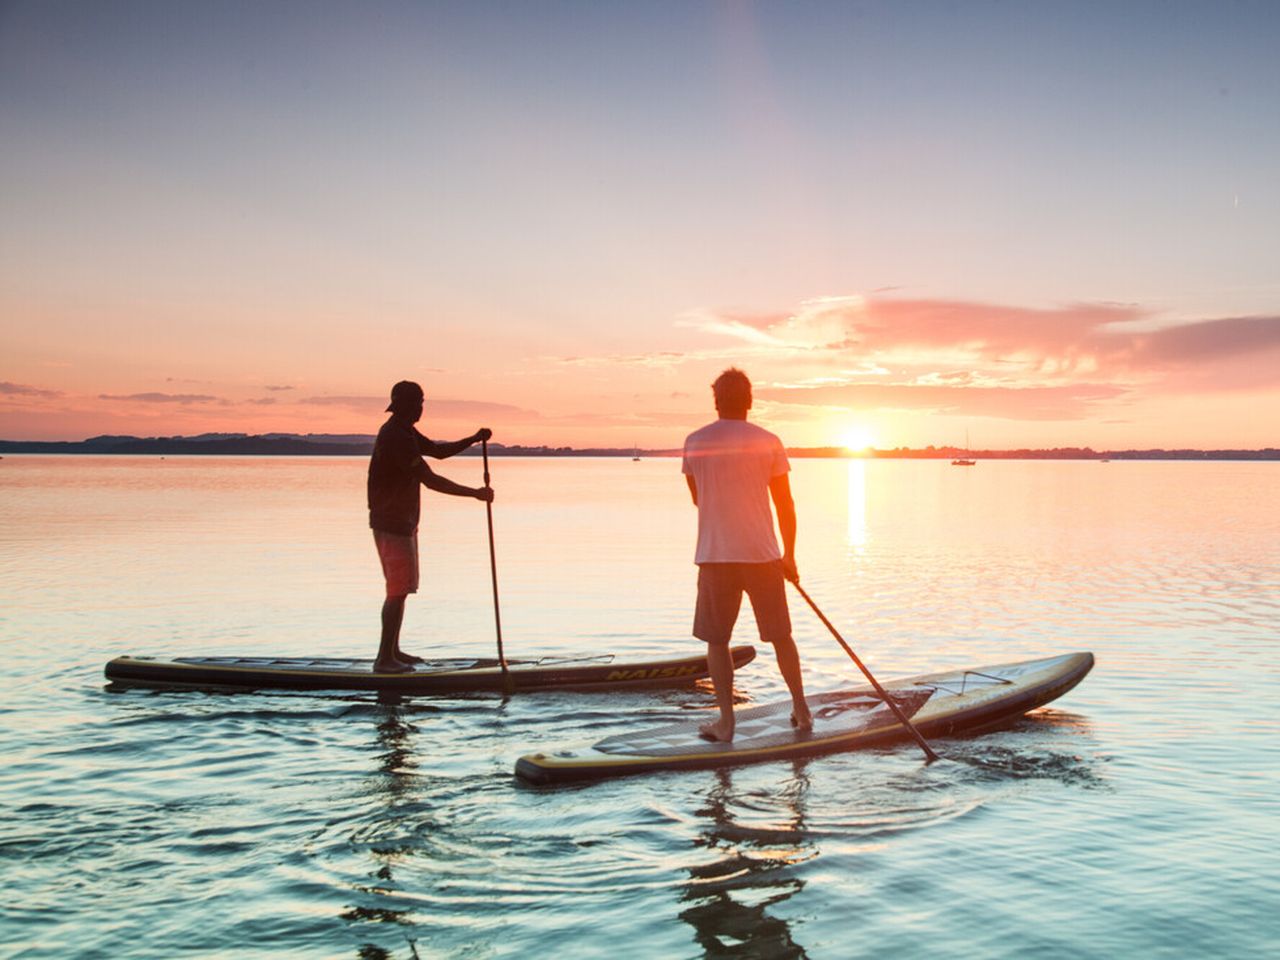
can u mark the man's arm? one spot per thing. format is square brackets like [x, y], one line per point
[780, 490]
[433, 481]
[693, 487]
[443, 449]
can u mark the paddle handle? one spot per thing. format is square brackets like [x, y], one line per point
[493, 573]
[897, 711]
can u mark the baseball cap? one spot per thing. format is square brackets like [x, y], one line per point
[404, 392]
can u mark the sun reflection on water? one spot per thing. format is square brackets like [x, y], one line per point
[856, 471]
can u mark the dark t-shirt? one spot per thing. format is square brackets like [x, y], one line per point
[395, 474]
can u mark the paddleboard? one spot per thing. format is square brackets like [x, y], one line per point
[432, 677]
[939, 704]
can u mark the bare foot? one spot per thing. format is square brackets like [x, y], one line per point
[718, 732]
[803, 722]
[391, 666]
[408, 657]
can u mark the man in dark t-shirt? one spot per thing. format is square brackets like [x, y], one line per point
[396, 471]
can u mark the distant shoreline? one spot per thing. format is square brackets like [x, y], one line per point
[327, 445]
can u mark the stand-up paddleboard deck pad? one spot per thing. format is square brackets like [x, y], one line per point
[432, 677]
[939, 704]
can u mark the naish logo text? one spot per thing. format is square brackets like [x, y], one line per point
[653, 673]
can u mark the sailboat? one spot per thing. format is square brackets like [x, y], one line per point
[964, 461]
[635, 454]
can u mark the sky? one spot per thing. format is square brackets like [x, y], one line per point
[1031, 224]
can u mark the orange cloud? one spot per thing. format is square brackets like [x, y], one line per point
[1014, 362]
[442, 409]
[1070, 402]
[1100, 332]
[185, 399]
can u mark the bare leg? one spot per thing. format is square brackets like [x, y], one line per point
[720, 665]
[392, 617]
[789, 665]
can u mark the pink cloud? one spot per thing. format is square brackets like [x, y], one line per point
[994, 329]
[1195, 344]
[1069, 402]
[931, 338]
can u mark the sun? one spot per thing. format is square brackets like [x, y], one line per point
[857, 438]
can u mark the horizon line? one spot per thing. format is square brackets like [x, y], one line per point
[286, 444]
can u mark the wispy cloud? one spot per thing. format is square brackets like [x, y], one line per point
[1000, 348]
[752, 330]
[353, 403]
[277, 387]
[443, 409]
[463, 409]
[1066, 362]
[884, 331]
[23, 390]
[1075, 337]
[1069, 402]
[662, 358]
[183, 399]
[670, 360]
[1232, 353]
[627, 419]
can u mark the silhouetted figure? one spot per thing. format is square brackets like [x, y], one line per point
[395, 471]
[733, 469]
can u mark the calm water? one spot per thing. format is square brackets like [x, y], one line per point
[1135, 817]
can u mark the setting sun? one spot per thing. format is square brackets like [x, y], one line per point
[857, 438]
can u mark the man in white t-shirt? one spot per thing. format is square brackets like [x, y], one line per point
[733, 468]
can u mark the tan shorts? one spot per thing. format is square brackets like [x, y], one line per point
[720, 589]
[399, 556]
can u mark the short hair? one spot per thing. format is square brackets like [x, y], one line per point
[732, 391]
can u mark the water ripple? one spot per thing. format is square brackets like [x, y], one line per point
[1133, 818]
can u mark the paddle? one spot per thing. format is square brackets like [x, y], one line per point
[897, 711]
[508, 687]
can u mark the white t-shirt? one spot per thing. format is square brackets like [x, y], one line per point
[732, 462]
